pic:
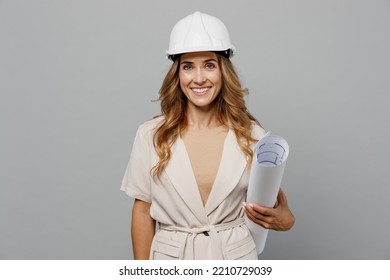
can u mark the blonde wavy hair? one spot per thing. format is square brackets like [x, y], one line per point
[230, 105]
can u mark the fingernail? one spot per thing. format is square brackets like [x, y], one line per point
[244, 204]
[250, 205]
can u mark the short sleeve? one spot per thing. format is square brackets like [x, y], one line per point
[257, 131]
[137, 179]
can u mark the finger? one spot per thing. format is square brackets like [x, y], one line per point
[265, 211]
[253, 212]
[257, 221]
[258, 216]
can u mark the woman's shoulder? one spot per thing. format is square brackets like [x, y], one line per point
[148, 127]
[153, 123]
[257, 131]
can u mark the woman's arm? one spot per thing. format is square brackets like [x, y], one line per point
[142, 229]
[278, 218]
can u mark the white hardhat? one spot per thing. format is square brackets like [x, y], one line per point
[199, 32]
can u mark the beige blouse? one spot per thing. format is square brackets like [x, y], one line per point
[204, 148]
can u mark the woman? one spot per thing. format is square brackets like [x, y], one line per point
[189, 167]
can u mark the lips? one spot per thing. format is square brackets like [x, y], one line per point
[200, 91]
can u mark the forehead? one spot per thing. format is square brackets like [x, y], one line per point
[198, 56]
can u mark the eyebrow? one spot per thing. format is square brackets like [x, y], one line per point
[205, 61]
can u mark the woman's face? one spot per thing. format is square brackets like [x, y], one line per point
[200, 78]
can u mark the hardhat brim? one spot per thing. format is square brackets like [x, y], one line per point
[228, 53]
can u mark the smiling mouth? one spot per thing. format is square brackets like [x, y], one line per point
[200, 91]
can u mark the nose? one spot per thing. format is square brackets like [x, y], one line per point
[199, 77]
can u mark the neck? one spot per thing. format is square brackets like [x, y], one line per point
[202, 118]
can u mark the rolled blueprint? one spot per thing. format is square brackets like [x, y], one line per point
[269, 160]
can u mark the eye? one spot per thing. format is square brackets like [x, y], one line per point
[210, 66]
[187, 67]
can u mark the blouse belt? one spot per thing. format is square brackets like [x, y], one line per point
[208, 230]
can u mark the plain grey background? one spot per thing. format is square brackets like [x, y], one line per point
[78, 77]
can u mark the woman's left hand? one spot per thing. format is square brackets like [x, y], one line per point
[279, 218]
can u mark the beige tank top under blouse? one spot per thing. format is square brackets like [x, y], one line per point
[205, 149]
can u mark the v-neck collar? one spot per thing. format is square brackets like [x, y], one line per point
[180, 172]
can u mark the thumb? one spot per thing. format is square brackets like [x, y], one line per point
[282, 199]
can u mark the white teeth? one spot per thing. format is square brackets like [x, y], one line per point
[200, 90]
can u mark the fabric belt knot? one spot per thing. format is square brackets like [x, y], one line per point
[208, 230]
